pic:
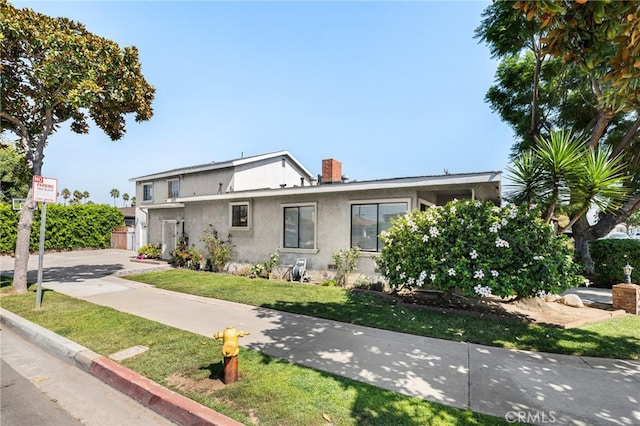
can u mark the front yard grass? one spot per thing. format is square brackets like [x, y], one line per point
[269, 391]
[617, 337]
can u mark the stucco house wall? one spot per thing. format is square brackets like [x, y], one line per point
[165, 220]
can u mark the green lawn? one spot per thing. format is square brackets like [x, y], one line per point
[269, 391]
[617, 337]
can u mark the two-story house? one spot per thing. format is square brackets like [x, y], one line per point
[272, 203]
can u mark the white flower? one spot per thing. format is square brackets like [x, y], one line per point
[473, 254]
[482, 291]
[432, 277]
[453, 210]
[478, 274]
[478, 204]
[494, 273]
[537, 258]
[403, 276]
[541, 294]
[452, 272]
[513, 213]
[425, 238]
[397, 267]
[502, 243]
[504, 222]
[433, 231]
[494, 228]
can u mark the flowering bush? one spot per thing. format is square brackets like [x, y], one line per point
[264, 269]
[150, 251]
[477, 249]
[220, 251]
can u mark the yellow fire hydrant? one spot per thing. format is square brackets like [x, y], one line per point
[230, 350]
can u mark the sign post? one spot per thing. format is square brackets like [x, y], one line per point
[45, 190]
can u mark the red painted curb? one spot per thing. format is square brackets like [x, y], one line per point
[163, 401]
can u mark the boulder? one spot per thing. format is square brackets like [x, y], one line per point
[573, 300]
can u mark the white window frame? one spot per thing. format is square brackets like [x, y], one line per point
[284, 249]
[249, 221]
[378, 201]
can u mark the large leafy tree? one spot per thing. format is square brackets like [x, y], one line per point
[571, 64]
[55, 71]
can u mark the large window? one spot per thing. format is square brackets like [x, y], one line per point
[173, 188]
[369, 220]
[300, 227]
[147, 192]
[239, 215]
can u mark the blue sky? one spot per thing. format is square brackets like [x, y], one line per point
[391, 89]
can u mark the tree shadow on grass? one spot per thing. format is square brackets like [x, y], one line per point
[433, 369]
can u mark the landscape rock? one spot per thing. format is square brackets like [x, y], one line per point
[572, 300]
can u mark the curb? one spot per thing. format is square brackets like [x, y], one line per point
[163, 401]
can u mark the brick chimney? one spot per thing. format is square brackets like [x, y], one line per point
[331, 171]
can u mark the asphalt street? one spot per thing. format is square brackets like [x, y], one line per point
[38, 389]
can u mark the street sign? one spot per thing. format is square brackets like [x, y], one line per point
[45, 190]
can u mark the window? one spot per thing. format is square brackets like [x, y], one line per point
[369, 220]
[300, 227]
[147, 192]
[239, 215]
[173, 188]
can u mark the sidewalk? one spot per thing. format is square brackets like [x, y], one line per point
[552, 388]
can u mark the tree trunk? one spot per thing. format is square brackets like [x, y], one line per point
[581, 236]
[21, 263]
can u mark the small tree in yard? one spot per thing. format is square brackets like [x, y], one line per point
[54, 71]
[346, 261]
[477, 249]
[220, 251]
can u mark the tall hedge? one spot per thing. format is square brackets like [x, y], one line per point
[610, 256]
[67, 227]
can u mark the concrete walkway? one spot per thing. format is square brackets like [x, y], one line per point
[538, 387]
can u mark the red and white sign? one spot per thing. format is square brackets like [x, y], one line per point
[45, 190]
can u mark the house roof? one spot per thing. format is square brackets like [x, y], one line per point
[223, 165]
[428, 182]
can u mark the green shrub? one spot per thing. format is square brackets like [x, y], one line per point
[346, 262]
[264, 269]
[477, 249]
[8, 228]
[610, 256]
[220, 251]
[150, 251]
[67, 227]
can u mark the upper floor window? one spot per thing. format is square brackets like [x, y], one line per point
[369, 220]
[147, 192]
[239, 215]
[173, 186]
[300, 226]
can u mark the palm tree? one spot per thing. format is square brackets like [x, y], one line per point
[133, 201]
[85, 195]
[125, 198]
[562, 174]
[115, 194]
[65, 194]
[77, 196]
